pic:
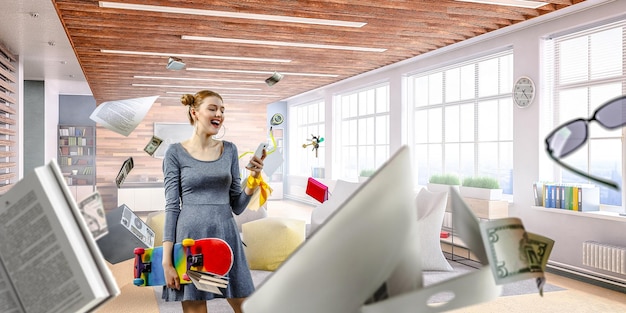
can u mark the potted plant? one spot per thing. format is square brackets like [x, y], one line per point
[443, 182]
[481, 187]
[365, 174]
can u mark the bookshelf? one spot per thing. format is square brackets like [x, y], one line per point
[76, 157]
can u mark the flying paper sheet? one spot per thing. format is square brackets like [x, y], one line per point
[122, 116]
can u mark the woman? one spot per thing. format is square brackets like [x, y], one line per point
[202, 190]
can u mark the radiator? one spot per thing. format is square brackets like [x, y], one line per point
[605, 257]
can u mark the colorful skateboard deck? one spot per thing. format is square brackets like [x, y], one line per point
[209, 255]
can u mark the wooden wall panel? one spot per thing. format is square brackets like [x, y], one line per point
[245, 126]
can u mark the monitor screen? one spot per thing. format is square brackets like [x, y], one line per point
[352, 254]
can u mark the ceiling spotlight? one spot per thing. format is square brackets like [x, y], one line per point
[272, 80]
[175, 64]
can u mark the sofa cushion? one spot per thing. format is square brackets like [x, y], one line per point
[431, 208]
[269, 241]
[343, 189]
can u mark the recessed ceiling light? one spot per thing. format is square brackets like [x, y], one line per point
[200, 56]
[251, 16]
[282, 43]
[200, 79]
[512, 3]
[222, 94]
[196, 87]
[258, 72]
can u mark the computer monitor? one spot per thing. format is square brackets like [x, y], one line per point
[352, 254]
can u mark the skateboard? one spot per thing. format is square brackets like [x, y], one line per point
[209, 255]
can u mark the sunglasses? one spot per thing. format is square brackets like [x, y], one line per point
[570, 136]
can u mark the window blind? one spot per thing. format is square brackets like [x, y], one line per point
[8, 118]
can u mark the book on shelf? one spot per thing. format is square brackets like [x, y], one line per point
[567, 196]
[49, 260]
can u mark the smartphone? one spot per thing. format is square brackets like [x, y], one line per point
[258, 153]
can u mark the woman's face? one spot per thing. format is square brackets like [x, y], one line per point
[209, 115]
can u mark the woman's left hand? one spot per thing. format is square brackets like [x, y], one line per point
[257, 165]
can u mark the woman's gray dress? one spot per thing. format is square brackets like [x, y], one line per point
[200, 199]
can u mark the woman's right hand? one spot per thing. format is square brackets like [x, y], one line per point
[171, 277]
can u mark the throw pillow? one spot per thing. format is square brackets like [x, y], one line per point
[431, 208]
[269, 241]
[343, 189]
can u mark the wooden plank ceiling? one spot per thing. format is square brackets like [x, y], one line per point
[401, 29]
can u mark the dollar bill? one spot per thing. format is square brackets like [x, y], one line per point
[515, 254]
[124, 170]
[152, 146]
[92, 210]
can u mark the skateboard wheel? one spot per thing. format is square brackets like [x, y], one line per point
[188, 242]
[139, 250]
[138, 281]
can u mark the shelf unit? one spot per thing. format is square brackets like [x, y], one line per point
[455, 249]
[77, 156]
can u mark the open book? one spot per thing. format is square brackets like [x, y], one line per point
[208, 281]
[49, 261]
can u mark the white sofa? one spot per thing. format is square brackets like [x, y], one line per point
[430, 208]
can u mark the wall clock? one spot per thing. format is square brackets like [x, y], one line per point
[277, 119]
[523, 92]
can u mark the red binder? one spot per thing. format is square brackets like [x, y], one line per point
[317, 190]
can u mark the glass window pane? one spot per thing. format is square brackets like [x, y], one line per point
[468, 82]
[452, 162]
[421, 164]
[506, 74]
[488, 121]
[467, 161]
[573, 60]
[488, 159]
[606, 54]
[453, 88]
[505, 177]
[382, 155]
[573, 104]
[420, 125]
[435, 88]
[598, 96]
[352, 126]
[606, 162]
[435, 158]
[466, 122]
[452, 123]
[382, 130]
[505, 119]
[362, 99]
[382, 99]
[435, 125]
[488, 78]
[420, 91]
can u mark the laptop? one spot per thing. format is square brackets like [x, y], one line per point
[352, 254]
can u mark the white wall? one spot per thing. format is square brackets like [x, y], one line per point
[525, 38]
[530, 162]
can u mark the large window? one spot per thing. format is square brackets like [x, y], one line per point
[362, 131]
[463, 120]
[309, 121]
[587, 69]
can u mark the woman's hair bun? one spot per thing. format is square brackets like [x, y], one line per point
[187, 99]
